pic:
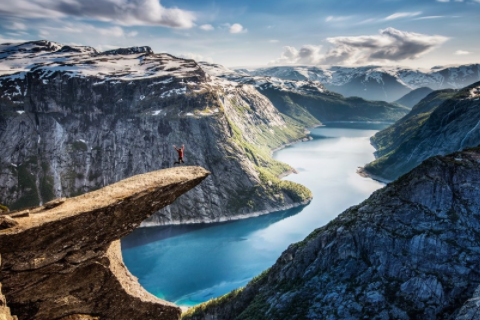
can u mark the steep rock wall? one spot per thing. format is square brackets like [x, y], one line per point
[65, 135]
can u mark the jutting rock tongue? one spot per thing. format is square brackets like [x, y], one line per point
[65, 261]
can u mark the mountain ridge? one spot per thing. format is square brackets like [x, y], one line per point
[376, 82]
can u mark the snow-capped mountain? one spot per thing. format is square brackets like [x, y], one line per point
[374, 82]
[46, 57]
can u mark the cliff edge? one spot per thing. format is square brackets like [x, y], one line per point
[63, 260]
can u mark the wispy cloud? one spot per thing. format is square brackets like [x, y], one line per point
[82, 32]
[274, 41]
[399, 15]
[15, 26]
[336, 18]
[462, 52]
[207, 27]
[123, 12]
[429, 17]
[237, 28]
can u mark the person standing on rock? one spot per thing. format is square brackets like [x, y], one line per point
[180, 154]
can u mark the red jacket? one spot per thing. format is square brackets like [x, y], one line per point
[180, 152]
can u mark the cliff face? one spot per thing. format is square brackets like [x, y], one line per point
[83, 120]
[63, 260]
[410, 251]
[444, 122]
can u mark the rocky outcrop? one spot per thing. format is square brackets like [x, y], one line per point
[78, 120]
[410, 251]
[64, 261]
[444, 122]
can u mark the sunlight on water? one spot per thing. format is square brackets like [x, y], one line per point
[194, 263]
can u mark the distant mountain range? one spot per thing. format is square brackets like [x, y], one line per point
[374, 82]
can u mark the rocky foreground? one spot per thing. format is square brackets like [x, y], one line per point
[410, 251]
[63, 260]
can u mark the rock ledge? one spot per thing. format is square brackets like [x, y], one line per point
[65, 262]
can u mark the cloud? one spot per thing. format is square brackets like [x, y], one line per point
[274, 41]
[132, 34]
[15, 26]
[207, 27]
[462, 52]
[43, 33]
[399, 15]
[429, 17]
[336, 19]
[111, 32]
[86, 29]
[123, 12]
[237, 28]
[308, 54]
[388, 46]
[196, 57]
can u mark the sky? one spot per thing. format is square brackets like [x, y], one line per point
[254, 33]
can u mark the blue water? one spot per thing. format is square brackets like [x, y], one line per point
[194, 263]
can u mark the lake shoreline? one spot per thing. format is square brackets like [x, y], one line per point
[249, 214]
[231, 218]
[364, 173]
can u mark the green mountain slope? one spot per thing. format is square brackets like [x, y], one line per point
[414, 97]
[428, 131]
[390, 138]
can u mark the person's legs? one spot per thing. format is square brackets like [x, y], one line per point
[181, 160]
